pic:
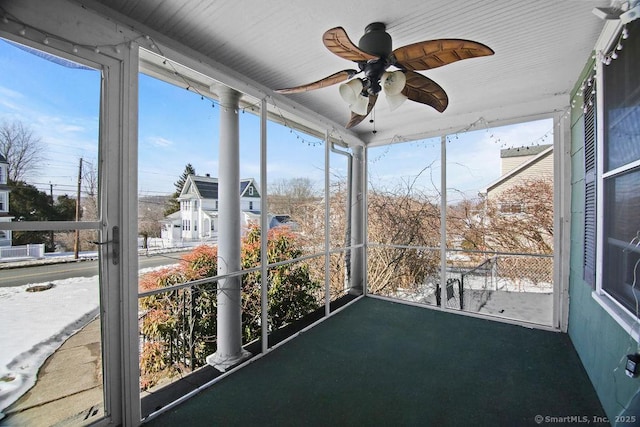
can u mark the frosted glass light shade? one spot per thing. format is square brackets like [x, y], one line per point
[393, 82]
[350, 90]
[360, 106]
[395, 101]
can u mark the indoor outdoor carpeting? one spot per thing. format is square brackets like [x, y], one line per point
[384, 363]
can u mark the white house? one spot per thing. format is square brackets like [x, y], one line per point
[5, 235]
[197, 218]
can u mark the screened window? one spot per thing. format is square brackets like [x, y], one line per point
[621, 173]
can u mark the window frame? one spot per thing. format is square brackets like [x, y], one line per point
[625, 318]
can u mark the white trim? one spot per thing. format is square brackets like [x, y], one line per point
[264, 260]
[626, 168]
[443, 220]
[127, 217]
[562, 220]
[327, 221]
[620, 314]
[365, 221]
[626, 319]
[50, 225]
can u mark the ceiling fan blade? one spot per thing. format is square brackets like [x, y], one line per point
[425, 91]
[357, 118]
[436, 53]
[334, 78]
[338, 42]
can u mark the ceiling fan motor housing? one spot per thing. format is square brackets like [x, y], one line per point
[376, 40]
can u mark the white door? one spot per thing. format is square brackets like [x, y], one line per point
[91, 314]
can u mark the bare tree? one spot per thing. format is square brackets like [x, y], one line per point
[404, 217]
[22, 149]
[519, 219]
[294, 197]
[150, 213]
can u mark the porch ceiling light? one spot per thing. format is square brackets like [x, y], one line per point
[392, 85]
[351, 93]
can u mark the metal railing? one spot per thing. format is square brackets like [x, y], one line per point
[510, 285]
[177, 319]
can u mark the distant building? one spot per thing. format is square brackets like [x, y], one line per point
[519, 165]
[197, 219]
[5, 235]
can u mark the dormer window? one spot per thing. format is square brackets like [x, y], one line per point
[251, 191]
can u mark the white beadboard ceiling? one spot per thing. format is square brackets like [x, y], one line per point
[540, 49]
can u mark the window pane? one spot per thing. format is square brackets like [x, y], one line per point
[622, 103]
[621, 227]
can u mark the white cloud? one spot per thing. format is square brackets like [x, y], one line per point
[5, 92]
[159, 141]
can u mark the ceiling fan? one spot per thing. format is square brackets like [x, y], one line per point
[374, 56]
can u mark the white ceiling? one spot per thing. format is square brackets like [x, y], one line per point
[540, 49]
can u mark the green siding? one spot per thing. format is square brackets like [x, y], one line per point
[600, 342]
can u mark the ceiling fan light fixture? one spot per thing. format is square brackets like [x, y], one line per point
[393, 82]
[375, 54]
[395, 101]
[351, 90]
[360, 106]
[376, 40]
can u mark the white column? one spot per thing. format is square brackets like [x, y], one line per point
[229, 317]
[357, 218]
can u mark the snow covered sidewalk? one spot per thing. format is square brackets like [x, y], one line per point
[35, 324]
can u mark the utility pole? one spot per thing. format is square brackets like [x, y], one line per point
[76, 245]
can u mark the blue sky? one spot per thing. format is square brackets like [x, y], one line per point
[177, 127]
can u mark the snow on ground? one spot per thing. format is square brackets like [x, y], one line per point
[516, 299]
[35, 324]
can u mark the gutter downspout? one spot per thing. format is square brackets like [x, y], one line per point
[347, 237]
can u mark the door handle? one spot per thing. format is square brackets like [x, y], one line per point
[115, 248]
[115, 245]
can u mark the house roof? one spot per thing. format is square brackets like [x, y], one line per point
[523, 151]
[544, 153]
[172, 217]
[540, 50]
[206, 187]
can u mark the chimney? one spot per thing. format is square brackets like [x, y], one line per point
[207, 175]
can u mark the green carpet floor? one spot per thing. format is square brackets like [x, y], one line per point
[387, 364]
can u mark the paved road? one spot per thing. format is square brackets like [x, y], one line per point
[49, 272]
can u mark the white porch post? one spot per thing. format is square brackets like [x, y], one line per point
[357, 218]
[229, 317]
